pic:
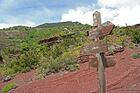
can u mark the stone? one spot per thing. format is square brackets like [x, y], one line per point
[101, 31]
[110, 62]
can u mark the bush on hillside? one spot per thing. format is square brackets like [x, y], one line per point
[24, 62]
[65, 62]
[132, 33]
[27, 61]
[8, 87]
[136, 55]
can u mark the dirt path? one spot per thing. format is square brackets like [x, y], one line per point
[123, 78]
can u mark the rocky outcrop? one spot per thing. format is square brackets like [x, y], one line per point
[91, 58]
[114, 49]
[56, 39]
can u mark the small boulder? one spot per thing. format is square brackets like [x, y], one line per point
[114, 49]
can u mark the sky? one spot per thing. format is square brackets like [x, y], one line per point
[35, 12]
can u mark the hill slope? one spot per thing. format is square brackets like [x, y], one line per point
[27, 53]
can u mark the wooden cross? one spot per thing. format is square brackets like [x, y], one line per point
[96, 34]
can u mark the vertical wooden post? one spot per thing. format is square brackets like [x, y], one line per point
[100, 56]
[101, 72]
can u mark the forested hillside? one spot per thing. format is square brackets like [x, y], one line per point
[52, 47]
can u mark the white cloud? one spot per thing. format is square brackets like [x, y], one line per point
[82, 15]
[118, 3]
[128, 15]
[29, 24]
[120, 12]
[26, 23]
[107, 13]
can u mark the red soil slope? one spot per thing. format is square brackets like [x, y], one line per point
[123, 78]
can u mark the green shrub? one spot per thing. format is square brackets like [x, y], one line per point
[27, 61]
[8, 54]
[53, 66]
[126, 35]
[8, 87]
[136, 55]
[6, 72]
[135, 34]
[65, 62]
[72, 67]
[49, 66]
[24, 63]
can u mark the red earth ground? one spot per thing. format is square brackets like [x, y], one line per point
[123, 78]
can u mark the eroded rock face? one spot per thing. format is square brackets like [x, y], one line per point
[56, 39]
[92, 59]
[114, 49]
[93, 62]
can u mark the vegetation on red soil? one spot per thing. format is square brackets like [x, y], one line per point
[28, 54]
[123, 78]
